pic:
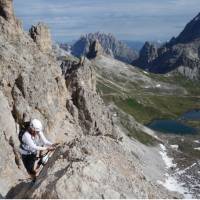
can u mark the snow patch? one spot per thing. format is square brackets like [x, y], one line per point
[171, 183]
[175, 146]
[114, 114]
[168, 161]
[180, 172]
[158, 85]
[146, 86]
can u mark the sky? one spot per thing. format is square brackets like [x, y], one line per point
[135, 20]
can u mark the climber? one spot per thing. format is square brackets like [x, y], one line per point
[33, 142]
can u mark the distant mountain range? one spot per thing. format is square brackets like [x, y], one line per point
[137, 45]
[111, 46]
[181, 54]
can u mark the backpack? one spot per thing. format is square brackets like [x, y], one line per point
[23, 128]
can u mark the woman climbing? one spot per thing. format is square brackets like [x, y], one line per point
[33, 141]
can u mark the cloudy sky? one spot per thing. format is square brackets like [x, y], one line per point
[126, 19]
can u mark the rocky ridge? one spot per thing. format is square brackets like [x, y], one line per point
[95, 50]
[92, 162]
[148, 53]
[111, 46]
[180, 55]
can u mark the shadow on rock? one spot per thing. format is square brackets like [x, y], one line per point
[25, 189]
[18, 190]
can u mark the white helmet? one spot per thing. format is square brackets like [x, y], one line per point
[36, 125]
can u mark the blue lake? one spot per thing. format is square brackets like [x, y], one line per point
[175, 126]
[192, 115]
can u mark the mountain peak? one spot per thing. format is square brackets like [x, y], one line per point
[181, 54]
[108, 42]
[95, 49]
[197, 17]
[191, 31]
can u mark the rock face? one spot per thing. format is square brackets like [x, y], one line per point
[92, 162]
[109, 43]
[147, 54]
[31, 85]
[93, 116]
[95, 50]
[42, 37]
[6, 10]
[191, 32]
[10, 26]
[181, 54]
[94, 167]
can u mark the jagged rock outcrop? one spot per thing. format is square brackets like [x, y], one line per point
[148, 53]
[6, 10]
[109, 43]
[93, 116]
[42, 37]
[95, 50]
[31, 85]
[10, 26]
[181, 54]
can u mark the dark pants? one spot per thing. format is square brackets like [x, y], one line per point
[29, 161]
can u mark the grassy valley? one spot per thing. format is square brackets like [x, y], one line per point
[144, 102]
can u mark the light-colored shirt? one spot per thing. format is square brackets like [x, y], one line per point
[33, 144]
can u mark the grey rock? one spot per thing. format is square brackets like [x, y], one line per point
[6, 10]
[81, 83]
[10, 26]
[9, 171]
[148, 53]
[31, 84]
[95, 50]
[99, 174]
[41, 36]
